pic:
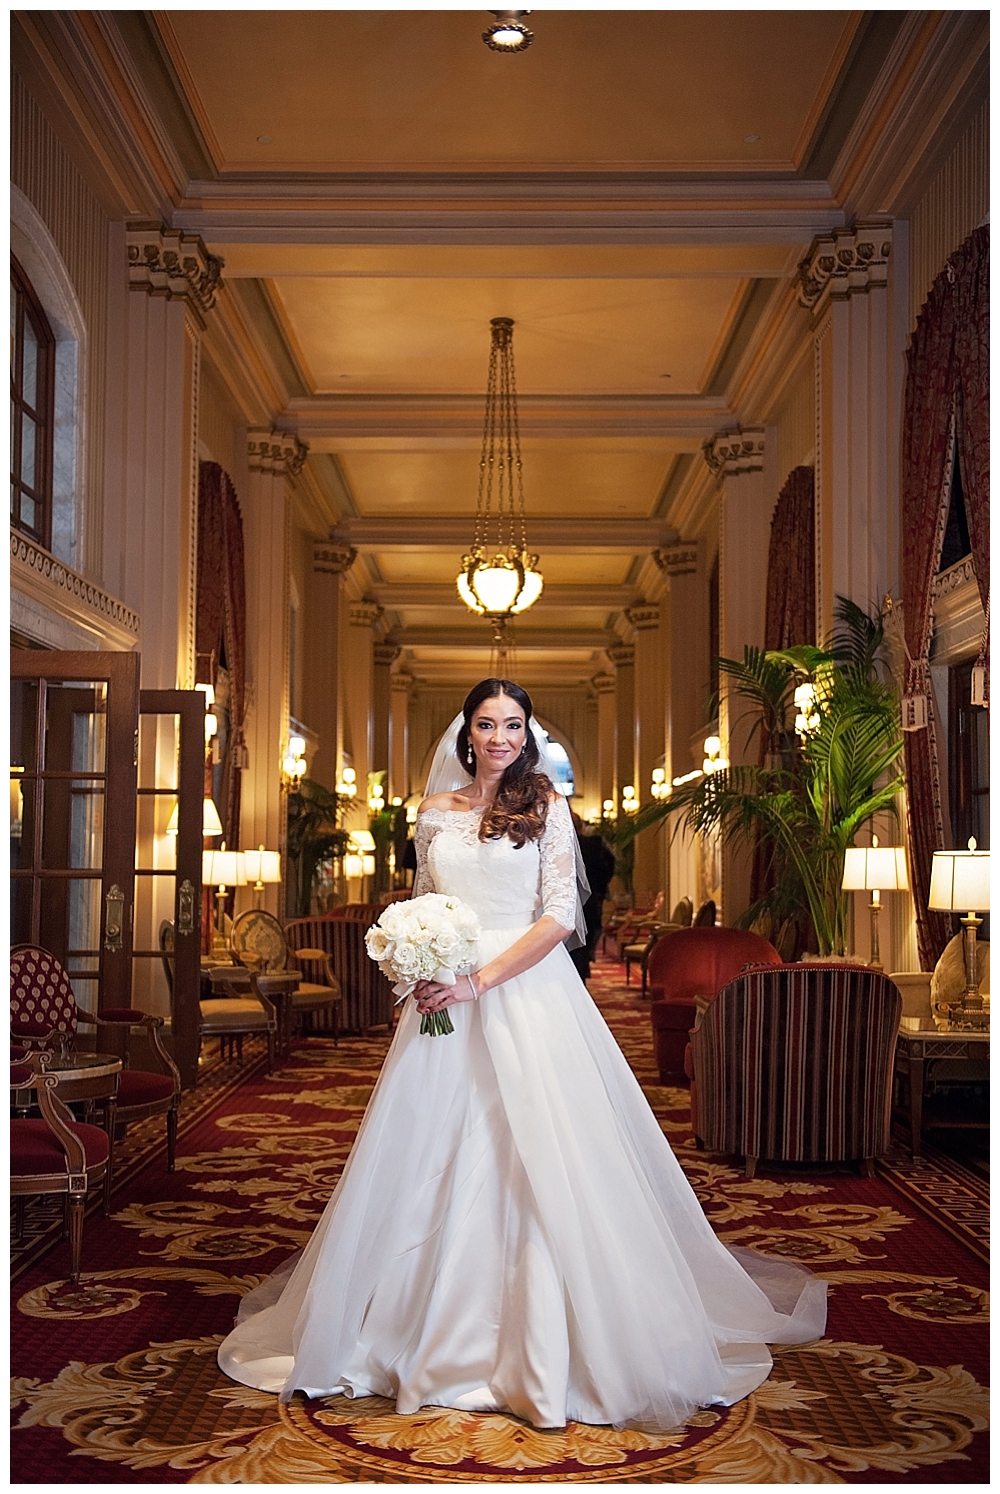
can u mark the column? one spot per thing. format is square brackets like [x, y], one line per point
[400, 685]
[684, 609]
[384, 654]
[274, 459]
[323, 678]
[622, 656]
[650, 866]
[162, 286]
[603, 685]
[746, 503]
[843, 283]
[362, 617]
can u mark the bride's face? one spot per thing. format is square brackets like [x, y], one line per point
[497, 731]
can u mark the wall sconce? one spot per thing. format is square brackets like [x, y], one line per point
[294, 766]
[715, 759]
[211, 824]
[261, 866]
[807, 717]
[412, 810]
[347, 784]
[660, 788]
[630, 803]
[608, 809]
[376, 798]
[875, 869]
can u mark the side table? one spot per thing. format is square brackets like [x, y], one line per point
[916, 1050]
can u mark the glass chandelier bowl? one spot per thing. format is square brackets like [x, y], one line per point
[499, 577]
[508, 33]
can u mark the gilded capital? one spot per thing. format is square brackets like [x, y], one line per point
[677, 560]
[166, 262]
[386, 652]
[365, 614]
[276, 452]
[733, 453]
[402, 682]
[332, 559]
[643, 616]
[844, 262]
[603, 683]
[621, 654]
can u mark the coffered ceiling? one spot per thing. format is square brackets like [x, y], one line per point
[635, 190]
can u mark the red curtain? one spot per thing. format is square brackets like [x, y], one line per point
[221, 617]
[791, 564]
[945, 402]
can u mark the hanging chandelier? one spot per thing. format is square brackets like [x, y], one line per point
[499, 578]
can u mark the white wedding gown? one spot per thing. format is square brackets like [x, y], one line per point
[512, 1230]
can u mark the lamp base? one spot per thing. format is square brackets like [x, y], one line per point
[971, 1014]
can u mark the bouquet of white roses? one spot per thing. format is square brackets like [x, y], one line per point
[433, 937]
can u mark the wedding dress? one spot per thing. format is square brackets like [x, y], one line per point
[512, 1230]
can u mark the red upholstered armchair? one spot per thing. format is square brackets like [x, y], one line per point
[794, 1064]
[690, 963]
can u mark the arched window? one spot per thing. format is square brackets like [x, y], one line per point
[32, 386]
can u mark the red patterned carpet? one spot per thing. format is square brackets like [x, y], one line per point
[116, 1381]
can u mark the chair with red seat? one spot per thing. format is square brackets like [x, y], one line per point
[53, 1153]
[689, 963]
[43, 1006]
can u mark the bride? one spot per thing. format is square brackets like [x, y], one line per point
[511, 1230]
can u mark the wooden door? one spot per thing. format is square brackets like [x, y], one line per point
[74, 724]
[186, 710]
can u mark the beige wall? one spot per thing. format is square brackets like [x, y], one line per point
[48, 178]
[956, 202]
[794, 420]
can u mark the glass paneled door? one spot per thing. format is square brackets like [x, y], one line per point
[169, 823]
[74, 719]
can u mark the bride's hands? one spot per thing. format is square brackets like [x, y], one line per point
[432, 997]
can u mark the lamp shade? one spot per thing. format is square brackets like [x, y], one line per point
[223, 868]
[875, 868]
[211, 825]
[262, 866]
[960, 881]
[362, 840]
[354, 866]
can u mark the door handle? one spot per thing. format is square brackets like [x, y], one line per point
[185, 907]
[114, 917]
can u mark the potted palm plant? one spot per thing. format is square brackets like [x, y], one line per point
[826, 725]
[314, 836]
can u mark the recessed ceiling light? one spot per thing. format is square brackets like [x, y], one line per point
[507, 33]
[264, 139]
[751, 138]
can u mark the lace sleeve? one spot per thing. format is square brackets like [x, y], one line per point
[424, 832]
[557, 853]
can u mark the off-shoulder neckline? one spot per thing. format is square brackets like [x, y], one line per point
[474, 809]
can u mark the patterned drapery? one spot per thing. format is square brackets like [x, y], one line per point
[791, 564]
[221, 616]
[945, 405]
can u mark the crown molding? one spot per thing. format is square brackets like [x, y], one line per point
[844, 263]
[416, 594]
[735, 453]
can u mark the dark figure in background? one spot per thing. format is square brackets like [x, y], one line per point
[599, 863]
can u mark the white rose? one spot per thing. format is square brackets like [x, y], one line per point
[378, 943]
[406, 958]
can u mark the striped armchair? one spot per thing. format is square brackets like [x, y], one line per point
[367, 995]
[793, 1063]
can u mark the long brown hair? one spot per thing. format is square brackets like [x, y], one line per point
[522, 800]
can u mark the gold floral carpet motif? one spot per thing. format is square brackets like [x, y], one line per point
[116, 1381]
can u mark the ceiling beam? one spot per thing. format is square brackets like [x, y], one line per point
[682, 420]
[594, 536]
[428, 594]
[475, 633]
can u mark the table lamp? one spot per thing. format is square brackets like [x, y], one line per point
[960, 883]
[875, 869]
[261, 866]
[222, 869]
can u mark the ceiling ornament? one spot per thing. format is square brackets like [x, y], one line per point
[499, 578]
[733, 453]
[843, 262]
[166, 262]
[507, 33]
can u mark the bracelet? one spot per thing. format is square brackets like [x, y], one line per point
[472, 986]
